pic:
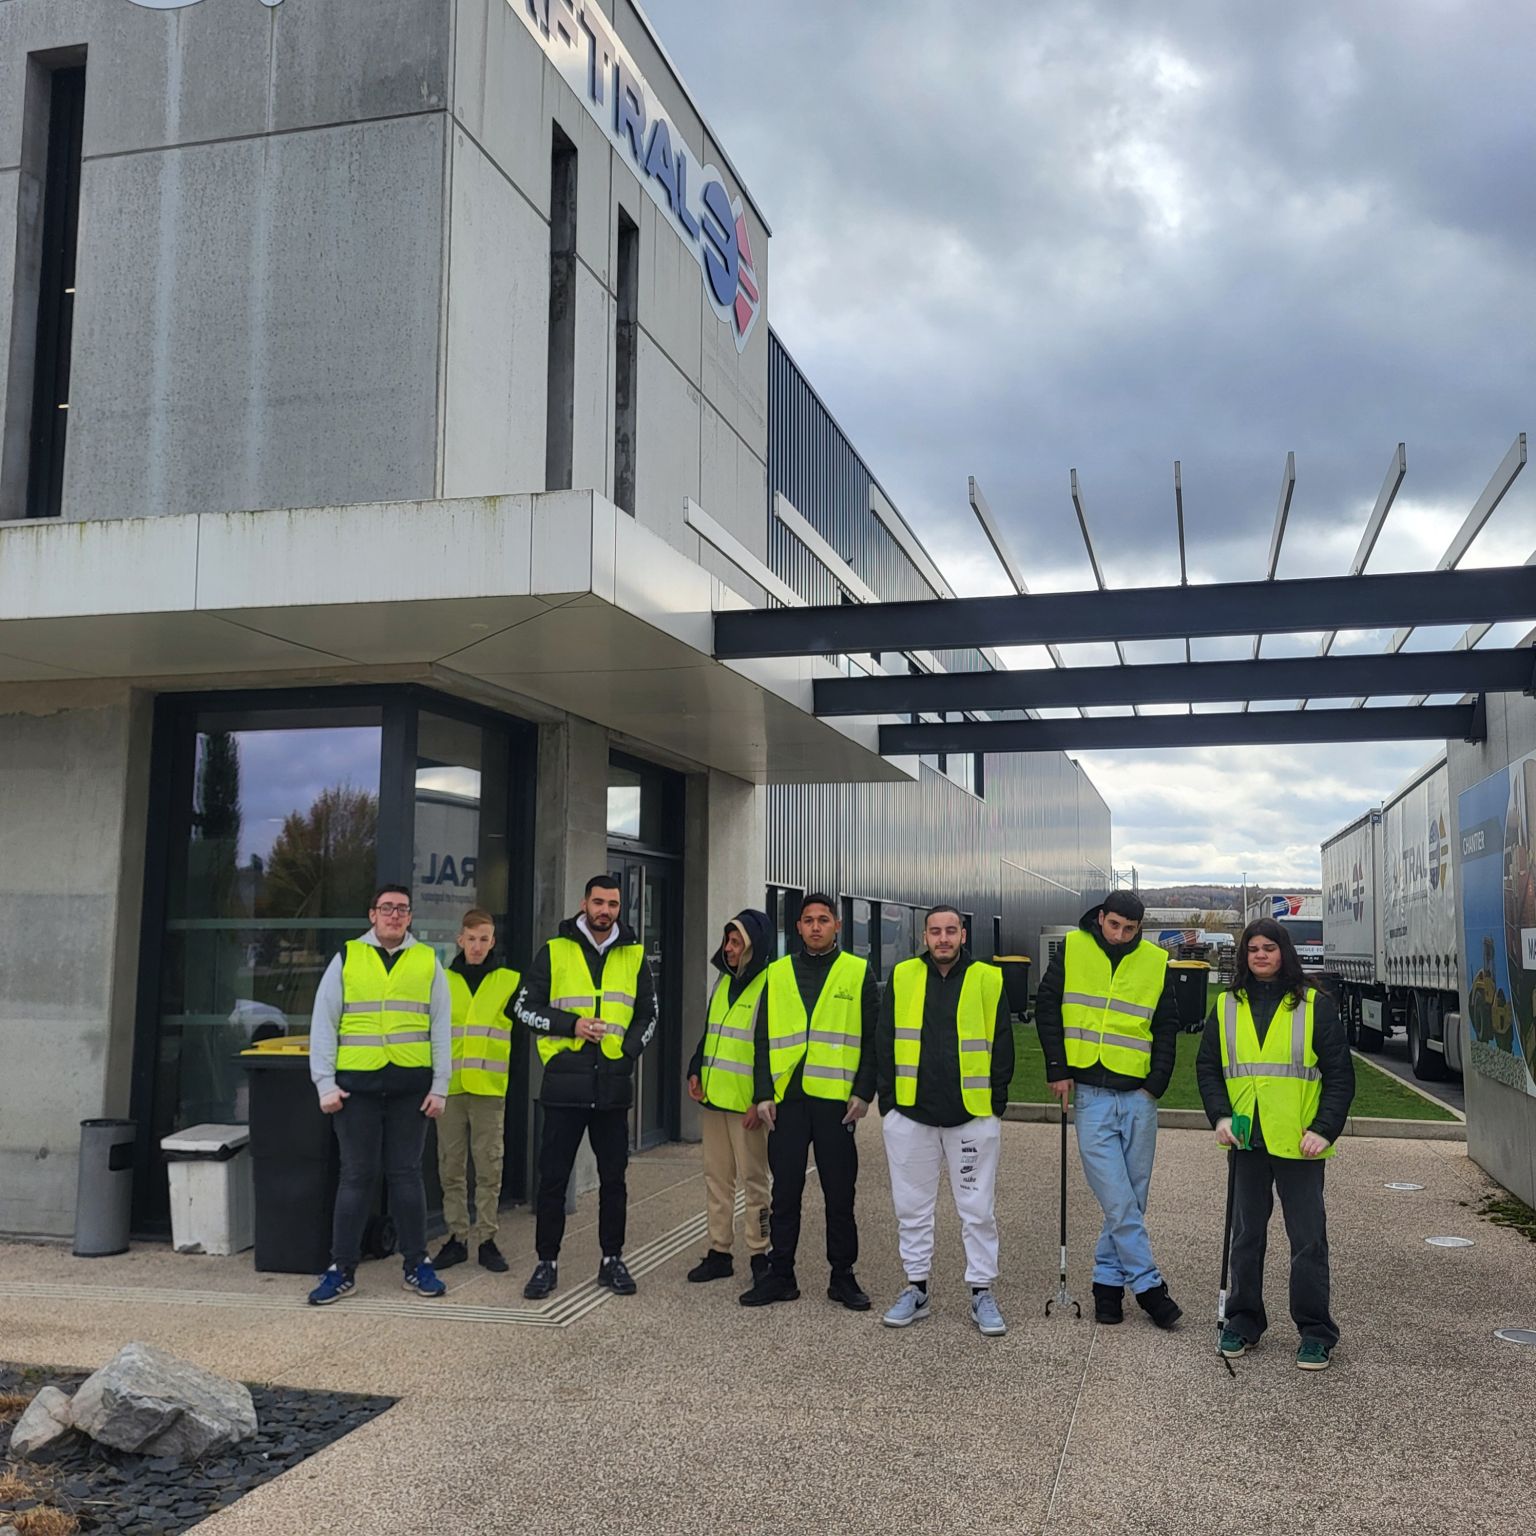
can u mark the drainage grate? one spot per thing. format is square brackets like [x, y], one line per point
[1516, 1335]
[1400, 1184]
[1449, 1242]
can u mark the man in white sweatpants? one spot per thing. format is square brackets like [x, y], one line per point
[944, 1054]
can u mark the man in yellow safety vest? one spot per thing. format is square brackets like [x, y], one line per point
[720, 1082]
[379, 1057]
[814, 1077]
[591, 1003]
[1109, 1027]
[474, 1123]
[945, 1053]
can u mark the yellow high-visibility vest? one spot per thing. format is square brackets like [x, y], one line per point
[386, 1015]
[613, 1002]
[482, 1032]
[975, 1024]
[829, 1041]
[1281, 1076]
[1106, 1010]
[726, 1070]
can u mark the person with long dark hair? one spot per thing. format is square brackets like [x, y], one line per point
[1277, 1080]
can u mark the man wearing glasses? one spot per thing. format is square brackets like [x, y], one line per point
[380, 1054]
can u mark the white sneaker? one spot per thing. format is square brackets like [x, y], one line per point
[911, 1307]
[986, 1315]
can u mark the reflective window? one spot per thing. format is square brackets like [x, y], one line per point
[858, 926]
[623, 802]
[896, 942]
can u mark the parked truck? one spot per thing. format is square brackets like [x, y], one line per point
[1389, 925]
[1301, 916]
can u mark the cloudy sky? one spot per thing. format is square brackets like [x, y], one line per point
[1013, 241]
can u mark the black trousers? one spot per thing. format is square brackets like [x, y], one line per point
[608, 1131]
[380, 1131]
[801, 1125]
[1299, 1182]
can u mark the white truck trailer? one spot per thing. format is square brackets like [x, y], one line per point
[1301, 916]
[1389, 924]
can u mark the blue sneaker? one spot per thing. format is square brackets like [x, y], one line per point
[422, 1279]
[335, 1284]
[987, 1316]
[911, 1307]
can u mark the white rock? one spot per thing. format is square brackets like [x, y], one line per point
[145, 1399]
[46, 1421]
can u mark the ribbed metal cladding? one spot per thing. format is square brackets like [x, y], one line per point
[1033, 852]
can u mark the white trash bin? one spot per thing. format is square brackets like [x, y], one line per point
[212, 1204]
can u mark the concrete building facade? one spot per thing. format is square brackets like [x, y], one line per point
[386, 414]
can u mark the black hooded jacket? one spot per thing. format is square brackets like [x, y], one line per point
[811, 972]
[1328, 1042]
[585, 1078]
[759, 931]
[1165, 1023]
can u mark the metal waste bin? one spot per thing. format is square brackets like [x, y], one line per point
[1015, 969]
[1191, 982]
[209, 1169]
[104, 1194]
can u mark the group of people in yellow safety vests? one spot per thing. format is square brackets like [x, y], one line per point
[795, 1051]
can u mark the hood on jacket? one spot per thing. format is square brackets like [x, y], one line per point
[1089, 923]
[757, 931]
[569, 930]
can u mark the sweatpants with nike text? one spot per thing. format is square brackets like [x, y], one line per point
[916, 1154]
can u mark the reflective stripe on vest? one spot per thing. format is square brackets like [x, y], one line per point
[829, 1041]
[482, 1032]
[975, 1023]
[383, 1011]
[570, 988]
[1106, 1011]
[725, 1073]
[1280, 1078]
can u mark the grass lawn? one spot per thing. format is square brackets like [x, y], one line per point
[1377, 1093]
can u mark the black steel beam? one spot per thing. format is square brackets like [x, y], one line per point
[1439, 722]
[1198, 682]
[1137, 613]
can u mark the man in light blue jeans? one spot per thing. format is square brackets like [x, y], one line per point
[1108, 1025]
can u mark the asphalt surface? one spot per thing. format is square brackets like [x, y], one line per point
[1393, 1058]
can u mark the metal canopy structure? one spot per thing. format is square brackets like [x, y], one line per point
[932, 711]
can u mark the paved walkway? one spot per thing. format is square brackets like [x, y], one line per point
[677, 1411]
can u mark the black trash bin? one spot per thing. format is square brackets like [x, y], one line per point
[1191, 981]
[1015, 969]
[104, 1192]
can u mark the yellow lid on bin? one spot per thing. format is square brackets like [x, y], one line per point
[280, 1045]
[1010, 959]
[1190, 965]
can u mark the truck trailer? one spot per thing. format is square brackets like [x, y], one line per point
[1389, 925]
[1301, 916]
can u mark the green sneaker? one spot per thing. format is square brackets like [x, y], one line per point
[1232, 1344]
[1312, 1356]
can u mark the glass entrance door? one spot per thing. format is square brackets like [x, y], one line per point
[652, 889]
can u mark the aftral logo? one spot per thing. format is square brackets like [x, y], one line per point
[1439, 852]
[580, 41]
[1358, 879]
[181, 5]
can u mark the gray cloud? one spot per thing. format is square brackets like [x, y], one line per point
[1014, 241]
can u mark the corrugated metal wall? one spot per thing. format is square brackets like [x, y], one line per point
[1034, 851]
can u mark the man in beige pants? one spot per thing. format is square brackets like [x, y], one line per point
[720, 1080]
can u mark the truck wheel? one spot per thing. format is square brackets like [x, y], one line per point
[1428, 1064]
[1352, 1019]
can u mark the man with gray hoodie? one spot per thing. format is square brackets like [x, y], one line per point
[720, 1082]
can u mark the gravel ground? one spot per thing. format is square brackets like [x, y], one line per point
[116, 1494]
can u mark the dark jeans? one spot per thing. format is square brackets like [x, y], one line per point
[608, 1131]
[1300, 1184]
[380, 1131]
[802, 1124]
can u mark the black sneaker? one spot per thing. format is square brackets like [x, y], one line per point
[1159, 1305]
[713, 1266]
[1108, 1303]
[490, 1257]
[760, 1266]
[770, 1288]
[614, 1274]
[542, 1281]
[452, 1252]
[844, 1289]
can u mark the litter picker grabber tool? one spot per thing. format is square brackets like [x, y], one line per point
[1241, 1126]
[1063, 1297]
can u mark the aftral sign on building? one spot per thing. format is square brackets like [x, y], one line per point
[580, 42]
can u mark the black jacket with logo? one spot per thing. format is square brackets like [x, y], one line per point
[585, 1078]
[811, 973]
[1165, 1023]
[939, 1100]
